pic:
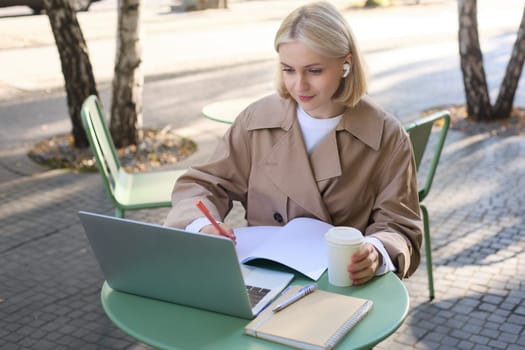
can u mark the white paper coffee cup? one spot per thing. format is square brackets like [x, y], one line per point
[342, 242]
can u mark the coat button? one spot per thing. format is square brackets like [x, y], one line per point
[278, 217]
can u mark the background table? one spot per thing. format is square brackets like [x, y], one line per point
[170, 326]
[227, 110]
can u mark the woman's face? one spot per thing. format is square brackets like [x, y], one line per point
[311, 78]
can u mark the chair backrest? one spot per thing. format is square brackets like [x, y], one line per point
[101, 143]
[420, 131]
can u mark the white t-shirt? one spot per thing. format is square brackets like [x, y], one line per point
[314, 129]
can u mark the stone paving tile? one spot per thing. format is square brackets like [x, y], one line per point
[478, 250]
[50, 281]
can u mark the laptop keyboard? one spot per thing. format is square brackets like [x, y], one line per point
[256, 294]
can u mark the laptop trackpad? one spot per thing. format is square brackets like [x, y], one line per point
[259, 277]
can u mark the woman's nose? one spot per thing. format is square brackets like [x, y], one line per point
[301, 83]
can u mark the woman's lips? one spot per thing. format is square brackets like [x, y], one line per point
[305, 98]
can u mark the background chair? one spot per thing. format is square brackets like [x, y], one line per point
[127, 191]
[420, 131]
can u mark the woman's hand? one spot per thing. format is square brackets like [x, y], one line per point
[210, 229]
[364, 264]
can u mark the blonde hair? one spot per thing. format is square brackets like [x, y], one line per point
[320, 26]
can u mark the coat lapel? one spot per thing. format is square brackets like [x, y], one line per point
[325, 160]
[288, 166]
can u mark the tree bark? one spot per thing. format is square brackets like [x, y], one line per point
[76, 66]
[505, 100]
[128, 81]
[474, 79]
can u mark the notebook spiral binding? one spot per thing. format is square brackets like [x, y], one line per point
[348, 325]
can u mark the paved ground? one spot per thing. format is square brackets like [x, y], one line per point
[49, 280]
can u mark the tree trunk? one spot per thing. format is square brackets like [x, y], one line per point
[505, 100]
[128, 81]
[474, 79]
[76, 66]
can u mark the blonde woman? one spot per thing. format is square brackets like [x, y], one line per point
[317, 148]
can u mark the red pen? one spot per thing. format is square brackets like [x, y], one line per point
[215, 224]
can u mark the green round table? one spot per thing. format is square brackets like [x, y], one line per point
[166, 325]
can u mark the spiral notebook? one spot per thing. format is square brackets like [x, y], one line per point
[318, 321]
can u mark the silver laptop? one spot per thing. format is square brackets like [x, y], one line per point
[169, 264]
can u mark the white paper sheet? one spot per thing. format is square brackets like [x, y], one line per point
[299, 245]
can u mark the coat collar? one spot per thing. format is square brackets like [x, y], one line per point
[365, 121]
[272, 112]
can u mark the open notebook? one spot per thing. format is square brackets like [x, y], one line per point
[169, 264]
[299, 244]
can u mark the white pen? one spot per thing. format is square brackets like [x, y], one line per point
[300, 294]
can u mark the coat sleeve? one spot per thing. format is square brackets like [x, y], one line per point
[395, 219]
[217, 183]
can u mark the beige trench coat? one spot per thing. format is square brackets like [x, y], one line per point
[362, 175]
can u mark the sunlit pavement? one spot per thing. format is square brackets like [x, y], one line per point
[50, 282]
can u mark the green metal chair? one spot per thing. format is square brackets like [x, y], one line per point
[127, 191]
[420, 131]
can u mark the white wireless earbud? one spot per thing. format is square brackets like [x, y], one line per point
[346, 68]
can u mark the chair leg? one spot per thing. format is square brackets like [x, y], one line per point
[428, 251]
[119, 213]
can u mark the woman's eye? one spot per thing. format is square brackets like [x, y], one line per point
[316, 71]
[287, 70]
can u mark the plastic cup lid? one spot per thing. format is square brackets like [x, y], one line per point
[344, 235]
